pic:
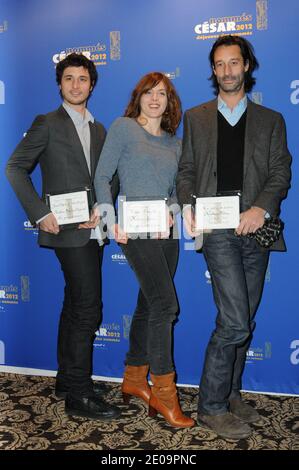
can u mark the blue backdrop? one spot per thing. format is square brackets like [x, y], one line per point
[126, 39]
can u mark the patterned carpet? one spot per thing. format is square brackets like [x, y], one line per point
[31, 418]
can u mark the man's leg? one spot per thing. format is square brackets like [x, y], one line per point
[223, 253]
[81, 314]
[255, 261]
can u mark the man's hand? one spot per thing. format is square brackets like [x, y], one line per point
[119, 235]
[251, 220]
[93, 221]
[49, 224]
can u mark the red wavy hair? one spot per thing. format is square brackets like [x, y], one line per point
[173, 112]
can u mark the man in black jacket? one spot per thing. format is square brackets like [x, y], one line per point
[67, 144]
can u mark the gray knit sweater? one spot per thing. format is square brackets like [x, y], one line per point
[146, 164]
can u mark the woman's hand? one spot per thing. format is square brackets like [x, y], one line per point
[119, 235]
[93, 221]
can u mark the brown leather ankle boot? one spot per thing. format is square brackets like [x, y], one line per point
[164, 400]
[135, 384]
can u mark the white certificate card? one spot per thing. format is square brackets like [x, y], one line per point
[148, 216]
[217, 212]
[70, 208]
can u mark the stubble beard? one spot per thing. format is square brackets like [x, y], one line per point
[232, 88]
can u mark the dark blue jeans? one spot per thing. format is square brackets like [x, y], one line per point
[154, 263]
[237, 266]
[81, 315]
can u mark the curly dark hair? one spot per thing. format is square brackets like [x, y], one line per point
[247, 52]
[77, 60]
[173, 112]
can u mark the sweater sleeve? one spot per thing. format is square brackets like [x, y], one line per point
[108, 162]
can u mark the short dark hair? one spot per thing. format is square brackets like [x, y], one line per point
[77, 60]
[173, 112]
[249, 58]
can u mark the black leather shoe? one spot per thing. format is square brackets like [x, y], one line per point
[90, 407]
[99, 389]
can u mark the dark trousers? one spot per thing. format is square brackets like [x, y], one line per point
[154, 263]
[80, 316]
[237, 266]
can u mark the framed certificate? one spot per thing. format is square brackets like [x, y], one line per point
[142, 215]
[219, 212]
[70, 208]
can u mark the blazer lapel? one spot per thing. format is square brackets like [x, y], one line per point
[212, 127]
[252, 130]
[210, 136]
[94, 148]
[74, 140]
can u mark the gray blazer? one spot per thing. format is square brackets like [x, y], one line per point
[266, 177]
[53, 142]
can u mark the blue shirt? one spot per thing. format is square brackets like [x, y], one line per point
[232, 116]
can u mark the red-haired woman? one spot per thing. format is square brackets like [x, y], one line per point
[143, 149]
